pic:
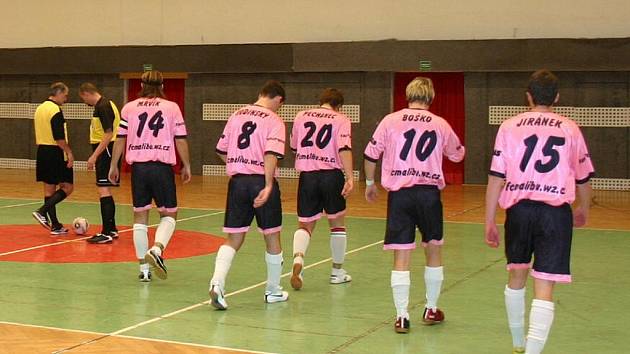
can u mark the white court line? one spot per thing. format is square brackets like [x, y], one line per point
[132, 337]
[18, 205]
[207, 302]
[85, 238]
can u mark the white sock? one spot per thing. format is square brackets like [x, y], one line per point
[515, 308]
[540, 320]
[222, 265]
[301, 239]
[338, 244]
[274, 271]
[140, 240]
[433, 277]
[164, 233]
[401, 282]
[144, 267]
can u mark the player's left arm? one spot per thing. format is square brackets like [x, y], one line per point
[181, 144]
[274, 150]
[584, 170]
[453, 149]
[344, 144]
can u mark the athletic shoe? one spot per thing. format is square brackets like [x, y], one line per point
[217, 298]
[401, 325]
[145, 277]
[114, 234]
[58, 230]
[157, 262]
[341, 277]
[518, 350]
[276, 296]
[100, 238]
[41, 219]
[431, 317]
[297, 279]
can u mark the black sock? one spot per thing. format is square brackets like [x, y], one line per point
[108, 210]
[50, 203]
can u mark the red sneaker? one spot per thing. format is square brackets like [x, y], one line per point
[401, 325]
[431, 317]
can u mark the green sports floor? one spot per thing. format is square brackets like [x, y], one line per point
[46, 288]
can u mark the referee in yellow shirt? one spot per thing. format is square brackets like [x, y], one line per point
[54, 157]
[103, 129]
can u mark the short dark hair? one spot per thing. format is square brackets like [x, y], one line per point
[88, 87]
[332, 96]
[56, 88]
[543, 87]
[272, 89]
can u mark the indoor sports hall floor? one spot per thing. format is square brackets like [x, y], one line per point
[60, 294]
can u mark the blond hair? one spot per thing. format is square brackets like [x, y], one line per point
[88, 87]
[420, 90]
[152, 84]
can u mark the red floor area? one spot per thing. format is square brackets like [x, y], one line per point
[20, 237]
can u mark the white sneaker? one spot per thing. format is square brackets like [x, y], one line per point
[340, 276]
[217, 297]
[145, 276]
[276, 296]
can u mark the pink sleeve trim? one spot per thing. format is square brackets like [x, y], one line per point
[519, 266]
[310, 218]
[144, 208]
[336, 215]
[235, 230]
[270, 231]
[400, 246]
[560, 278]
[433, 242]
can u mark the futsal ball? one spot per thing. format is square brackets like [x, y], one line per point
[80, 225]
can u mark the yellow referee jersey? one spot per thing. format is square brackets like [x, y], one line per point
[50, 125]
[105, 117]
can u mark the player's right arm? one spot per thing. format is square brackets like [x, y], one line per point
[117, 151]
[493, 191]
[372, 154]
[57, 124]
[223, 143]
[496, 179]
[119, 148]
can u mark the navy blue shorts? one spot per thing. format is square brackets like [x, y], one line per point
[320, 191]
[410, 208]
[544, 231]
[153, 181]
[240, 211]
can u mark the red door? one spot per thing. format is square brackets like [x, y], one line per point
[174, 89]
[448, 103]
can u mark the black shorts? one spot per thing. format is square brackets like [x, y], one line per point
[102, 166]
[239, 210]
[153, 181]
[546, 231]
[320, 191]
[418, 206]
[51, 167]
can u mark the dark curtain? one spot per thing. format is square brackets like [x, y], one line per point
[448, 103]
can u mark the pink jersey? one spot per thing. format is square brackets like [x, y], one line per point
[249, 134]
[412, 142]
[150, 126]
[317, 137]
[541, 156]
